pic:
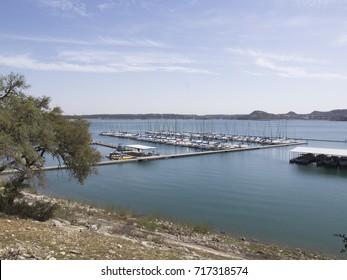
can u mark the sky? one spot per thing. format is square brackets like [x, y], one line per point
[182, 56]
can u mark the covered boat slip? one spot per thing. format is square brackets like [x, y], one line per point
[321, 156]
[132, 151]
[146, 150]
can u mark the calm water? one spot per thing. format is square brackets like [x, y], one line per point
[256, 194]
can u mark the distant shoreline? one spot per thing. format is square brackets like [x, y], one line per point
[333, 115]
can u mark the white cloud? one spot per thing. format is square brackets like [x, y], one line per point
[99, 59]
[306, 3]
[44, 39]
[276, 56]
[340, 41]
[99, 41]
[131, 43]
[101, 63]
[274, 63]
[252, 73]
[107, 5]
[70, 6]
[292, 72]
[296, 72]
[27, 62]
[131, 58]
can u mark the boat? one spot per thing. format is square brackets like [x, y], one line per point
[119, 156]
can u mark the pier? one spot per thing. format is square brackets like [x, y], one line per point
[107, 145]
[162, 157]
[202, 153]
[321, 140]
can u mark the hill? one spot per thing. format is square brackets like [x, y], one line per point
[333, 115]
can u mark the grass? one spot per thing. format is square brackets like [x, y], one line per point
[202, 228]
[147, 223]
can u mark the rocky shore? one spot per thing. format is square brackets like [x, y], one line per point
[82, 231]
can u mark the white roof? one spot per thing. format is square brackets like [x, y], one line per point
[321, 151]
[140, 147]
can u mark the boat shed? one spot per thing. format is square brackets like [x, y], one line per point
[318, 151]
[320, 156]
[142, 149]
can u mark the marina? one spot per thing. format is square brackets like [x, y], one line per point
[204, 144]
[202, 141]
[253, 193]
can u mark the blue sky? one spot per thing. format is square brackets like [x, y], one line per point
[182, 56]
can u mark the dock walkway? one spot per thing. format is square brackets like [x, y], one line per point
[172, 156]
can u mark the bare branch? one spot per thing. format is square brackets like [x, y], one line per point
[13, 83]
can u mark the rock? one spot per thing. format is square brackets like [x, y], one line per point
[151, 237]
[56, 223]
[92, 227]
[260, 252]
[104, 232]
[215, 239]
[243, 239]
[75, 252]
[144, 243]
[186, 249]
[195, 254]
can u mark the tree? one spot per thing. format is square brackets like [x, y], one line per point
[12, 84]
[29, 130]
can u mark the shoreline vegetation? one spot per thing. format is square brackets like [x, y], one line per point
[333, 115]
[66, 229]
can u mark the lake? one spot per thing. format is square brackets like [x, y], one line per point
[257, 194]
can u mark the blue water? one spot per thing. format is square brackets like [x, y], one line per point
[256, 194]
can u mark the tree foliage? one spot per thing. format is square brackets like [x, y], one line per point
[30, 130]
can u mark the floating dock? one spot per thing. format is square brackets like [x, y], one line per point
[201, 153]
[161, 157]
[320, 156]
